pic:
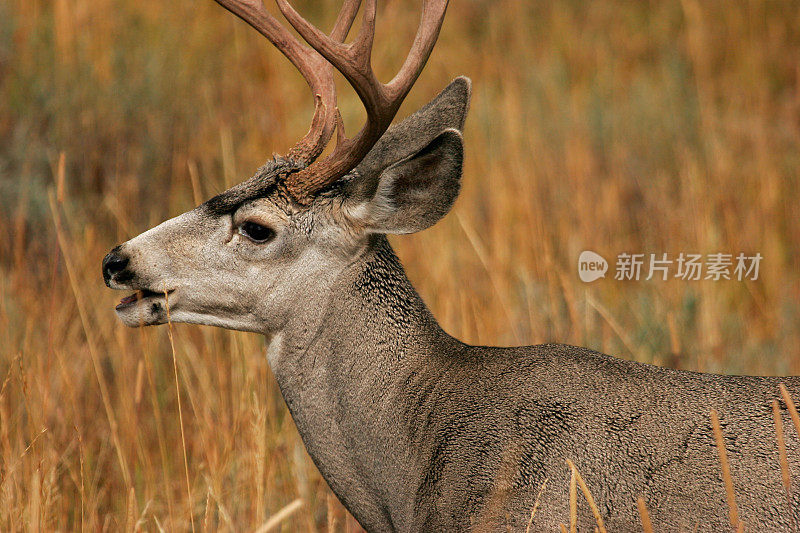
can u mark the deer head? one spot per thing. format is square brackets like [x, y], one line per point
[248, 257]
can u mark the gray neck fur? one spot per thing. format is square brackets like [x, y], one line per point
[357, 391]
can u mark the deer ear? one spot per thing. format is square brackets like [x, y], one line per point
[412, 175]
[414, 193]
[447, 110]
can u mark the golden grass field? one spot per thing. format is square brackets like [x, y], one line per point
[613, 126]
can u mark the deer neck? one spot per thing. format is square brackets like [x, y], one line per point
[347, 373]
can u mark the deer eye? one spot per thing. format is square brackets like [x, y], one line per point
[256, 232]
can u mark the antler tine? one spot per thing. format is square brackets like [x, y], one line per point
[424, 40]
[352, 60]
[380, 101]
[314, 68]
[345, 20]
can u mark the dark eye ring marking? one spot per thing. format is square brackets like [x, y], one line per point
[256, 232]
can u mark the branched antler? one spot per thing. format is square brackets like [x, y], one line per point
[317, 72]
[353, 60]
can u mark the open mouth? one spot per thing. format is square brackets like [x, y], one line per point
[140, 295]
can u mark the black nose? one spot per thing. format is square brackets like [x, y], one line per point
[113, 264]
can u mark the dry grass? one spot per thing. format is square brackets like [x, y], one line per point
[644, 514]
[730, 492]
[613, 126]
[587, 494]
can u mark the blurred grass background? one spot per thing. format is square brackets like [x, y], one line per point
[616, 126]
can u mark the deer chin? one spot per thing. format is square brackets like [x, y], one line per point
[145, 308]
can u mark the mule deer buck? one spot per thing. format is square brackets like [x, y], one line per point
[411, 428]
